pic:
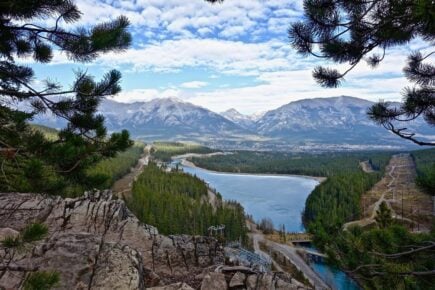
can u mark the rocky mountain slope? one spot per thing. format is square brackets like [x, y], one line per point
[95, 242]
[336, 120]
[168, 119]
[244, 121]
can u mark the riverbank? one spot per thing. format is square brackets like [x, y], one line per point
[187, 163]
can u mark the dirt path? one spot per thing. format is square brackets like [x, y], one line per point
[122, 187]
[399, 177]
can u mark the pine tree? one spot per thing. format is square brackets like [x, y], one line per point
[84, 140]
[383, 216]
[352, 31]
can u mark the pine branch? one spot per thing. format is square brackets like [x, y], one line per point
[401, 254]
[408, 136]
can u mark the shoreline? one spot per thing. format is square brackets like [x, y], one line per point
[187, 163]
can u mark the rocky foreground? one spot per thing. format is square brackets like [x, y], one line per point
[95, 242]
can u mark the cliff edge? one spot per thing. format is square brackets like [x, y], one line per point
[95, 242]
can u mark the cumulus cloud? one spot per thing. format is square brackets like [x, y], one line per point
[237, 38]
[194, 85]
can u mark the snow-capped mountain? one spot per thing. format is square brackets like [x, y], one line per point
[336, 120]
[330, 120]
[312, 114]
[167, 118]
[244, 121]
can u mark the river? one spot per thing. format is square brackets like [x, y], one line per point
[278, 197]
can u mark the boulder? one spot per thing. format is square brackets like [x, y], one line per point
[251, 282]
[214, 281]
[238, 280]
[176, 286]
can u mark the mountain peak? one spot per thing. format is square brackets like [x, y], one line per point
[232, 111]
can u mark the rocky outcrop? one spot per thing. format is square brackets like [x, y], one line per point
[238, 278]
[95, 242]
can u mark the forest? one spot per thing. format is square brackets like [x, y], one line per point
[177, 203]
[371, 252]
[21, 174]
[425, 163]
[326, 164]
[107, 171]
[163, 151]
[336, 201]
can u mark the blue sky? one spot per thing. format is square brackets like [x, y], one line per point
[231, 55]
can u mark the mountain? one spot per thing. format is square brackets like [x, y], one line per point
[321, 121]
[168, 118]
[238, 118]
[328, 120]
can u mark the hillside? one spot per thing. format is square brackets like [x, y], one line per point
[339, 122]
[328, 120]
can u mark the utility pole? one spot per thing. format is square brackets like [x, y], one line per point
[402, 205]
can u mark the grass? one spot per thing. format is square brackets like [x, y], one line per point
[11, 242]
[34, 232]
[41, 280]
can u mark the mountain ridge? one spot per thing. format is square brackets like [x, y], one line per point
[333, 120]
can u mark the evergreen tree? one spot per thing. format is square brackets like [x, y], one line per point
[84, 141]
[352, 31]
[383, 216]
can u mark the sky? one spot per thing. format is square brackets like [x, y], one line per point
[221, 56]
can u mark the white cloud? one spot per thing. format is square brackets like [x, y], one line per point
[178, 16]
[240, 38]
[194, 85]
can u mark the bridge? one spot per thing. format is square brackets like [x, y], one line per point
[299, 237]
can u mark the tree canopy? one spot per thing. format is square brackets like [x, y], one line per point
[38, 30]
[353, 31]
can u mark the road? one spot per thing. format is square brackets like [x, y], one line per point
[293, 256]
[256, 244]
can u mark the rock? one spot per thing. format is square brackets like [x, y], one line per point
[95, 242]
[265, 282]
[251, 282]
[238, 280]
[214, 281]
[176, 286]
[8, 232]
[92, 237]
[282, 285]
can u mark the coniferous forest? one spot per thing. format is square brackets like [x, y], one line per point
[324, 164]
[177, 203]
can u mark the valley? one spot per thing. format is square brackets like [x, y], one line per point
[217, 145]
[389, 172]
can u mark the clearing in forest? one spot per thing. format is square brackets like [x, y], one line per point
[398, 189]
